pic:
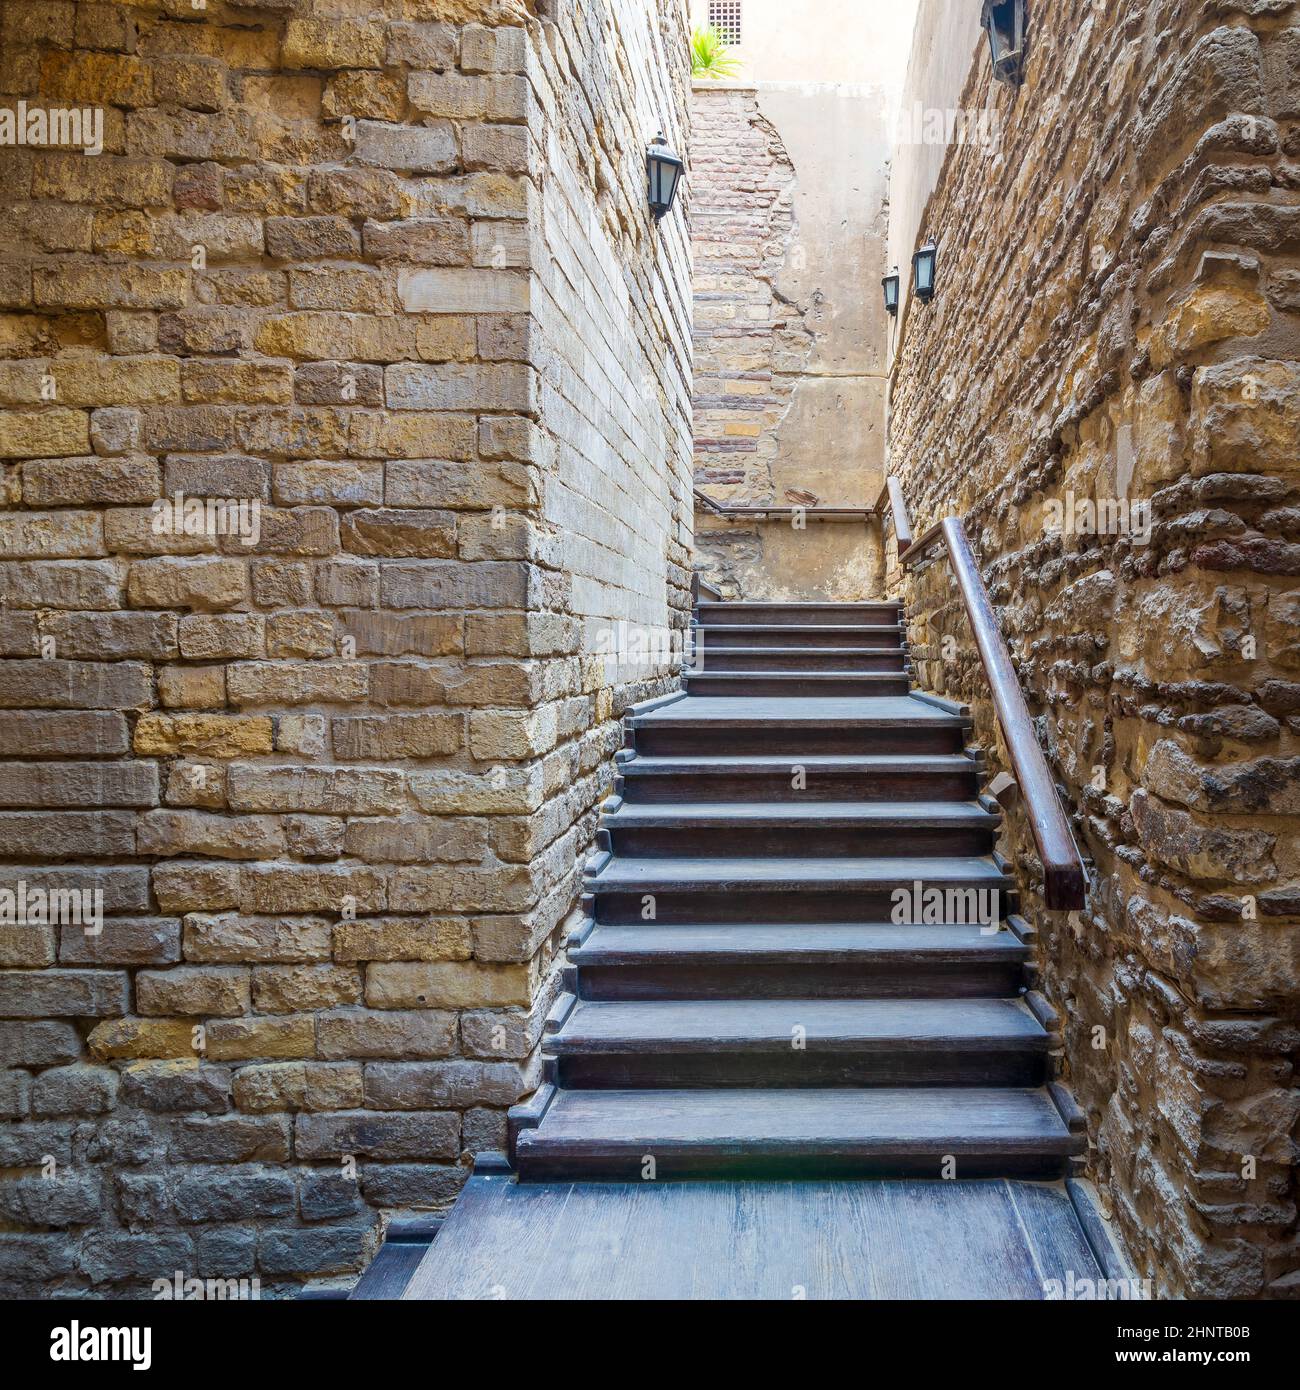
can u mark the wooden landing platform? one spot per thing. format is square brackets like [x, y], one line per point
[998, 1239]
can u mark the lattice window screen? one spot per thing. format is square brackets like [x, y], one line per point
[724, 16]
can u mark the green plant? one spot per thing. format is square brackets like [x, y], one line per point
[710, 57]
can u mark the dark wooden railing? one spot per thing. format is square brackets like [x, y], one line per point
[725, 509]
[1063, 874]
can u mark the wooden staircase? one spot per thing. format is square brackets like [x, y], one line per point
[743, 998]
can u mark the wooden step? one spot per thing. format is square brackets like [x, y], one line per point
[797, 1133]
[799, 1042]
[799, 614]
[799, 727]
[790, 960]
[867, 777]
[798, 889]
[751, 829]
[854, 660]
[796, 684]
[807, 638]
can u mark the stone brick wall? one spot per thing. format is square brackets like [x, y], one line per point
[385, 269]
[788, 230]
[1118, 317]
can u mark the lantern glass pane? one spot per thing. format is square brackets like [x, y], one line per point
[674, 172]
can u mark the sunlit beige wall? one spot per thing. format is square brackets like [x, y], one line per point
[858, 41]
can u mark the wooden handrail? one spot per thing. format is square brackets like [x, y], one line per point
[902, 522]
[1063, 875]
[1064, 882]
[832, 513]
[891, 499]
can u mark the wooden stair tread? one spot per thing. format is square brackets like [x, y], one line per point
[612, 944]
[861, 1025]
[844, 609]
[810, 652]
[793, 875]
[866, 765]
[817, 677]
[774, 711]
[820, 629]
[879, 1120]
[701, 814]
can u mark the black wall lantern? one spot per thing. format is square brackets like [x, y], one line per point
[923, 268]
[665, 172]
[1004, 22]
[890, 283]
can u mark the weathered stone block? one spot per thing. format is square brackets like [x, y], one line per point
[423, 45]
[195, 887]
[78, 784]
[411, 841]
[417, 240]
[299, 1086]
[69, 1200]
[298, 889]
[300, 633]
[285, 683]
[396, 736]
[232, 1139]
[402, 938]
[241, 1039]
[324, 790]
[335, 41]
[216, 991]
[463, 291]
[182, 1085]
[28, 946]
[112, 636]
[352, 1033]
[87, 481]
[333, 484]
[123, 941]
[456, 984]
[427, 149]
[429, 1135]
[450, 584]
[314, 1250]
[68, 584]
[143, 1037]
[324, 1195]
[75, 1090]
[295, 988]
[433, 483]
[34, 733]
[414, 1185]
[50, 535]
[452, 1085]
[63, 993]
[233, 938]
[493, 49]
[41, 1044]
[400, 532]
[167, 832]
[175, 582]
[233, 1194]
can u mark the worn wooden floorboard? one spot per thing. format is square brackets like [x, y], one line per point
[828, 1023]
[844, 710]
[754, 1240]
